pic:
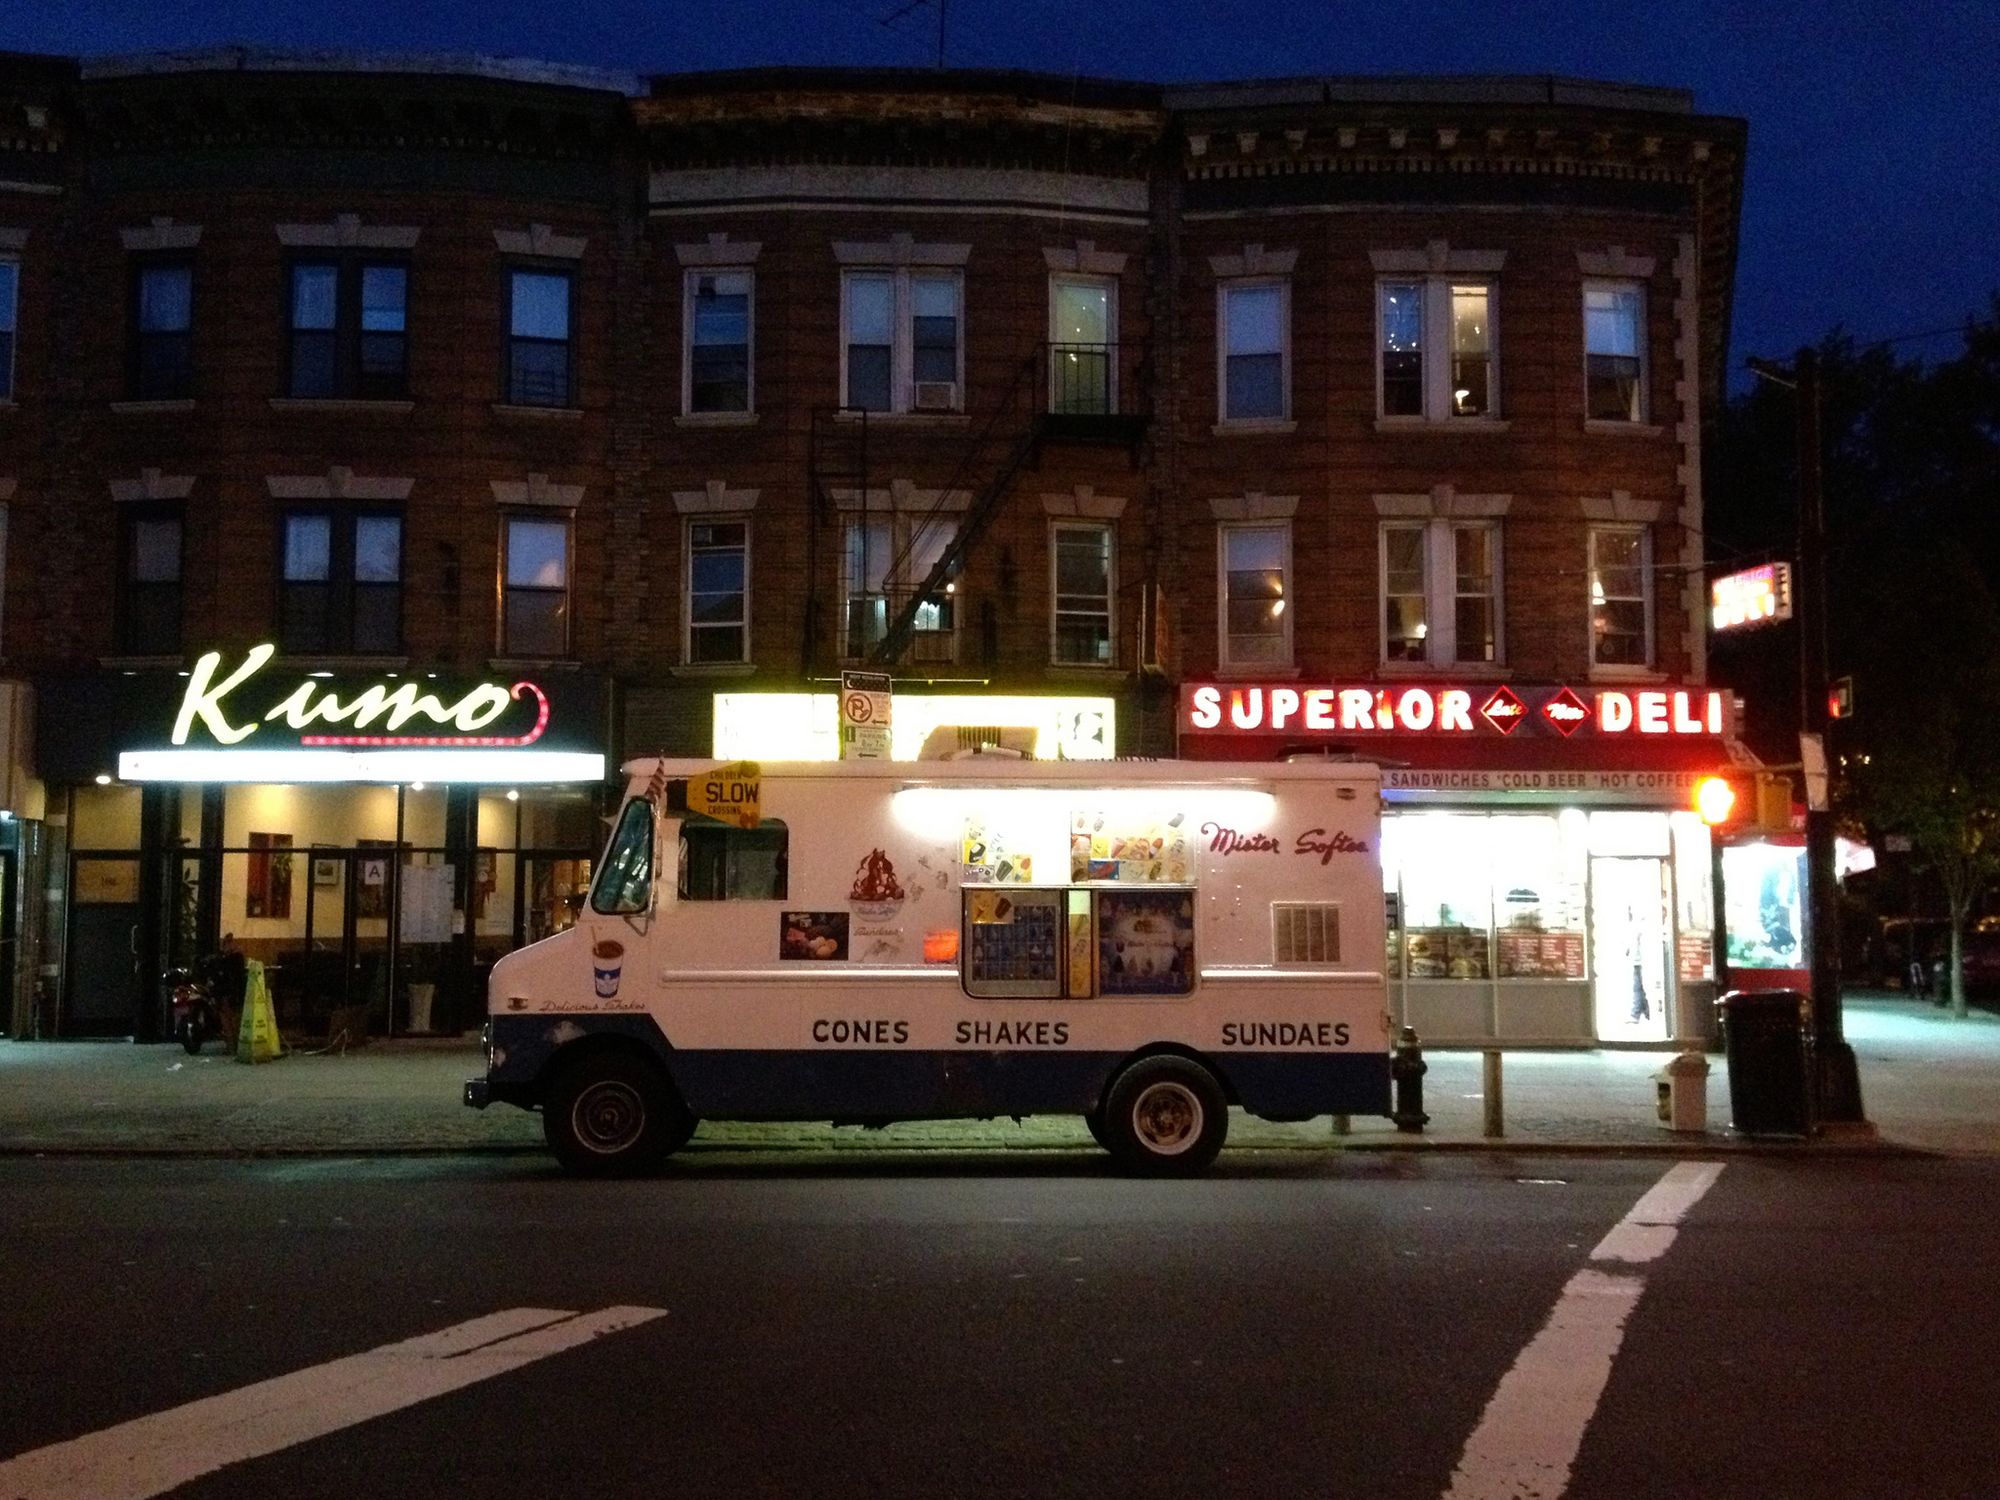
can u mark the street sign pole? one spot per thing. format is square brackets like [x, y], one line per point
[1839, 1082]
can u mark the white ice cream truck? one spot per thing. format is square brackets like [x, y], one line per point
[1143, 944]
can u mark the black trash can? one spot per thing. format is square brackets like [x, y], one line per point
[1769, 1043]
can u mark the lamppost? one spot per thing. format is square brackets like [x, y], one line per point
[1838, 1086]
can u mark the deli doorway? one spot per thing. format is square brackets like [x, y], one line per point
[1631, 940]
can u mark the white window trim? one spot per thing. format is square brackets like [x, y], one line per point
[1082, 278]
[688, 524]
[688, 279]
[1222, 531]
[565, 519]
[1110, 531]
[1441, 592]
[1241, 284]
[1648, 667]
[1617, 284]
[1437, 351]
[902, 331]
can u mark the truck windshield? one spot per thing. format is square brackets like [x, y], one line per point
[625, 883]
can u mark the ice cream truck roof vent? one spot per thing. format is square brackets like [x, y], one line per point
[960, 741]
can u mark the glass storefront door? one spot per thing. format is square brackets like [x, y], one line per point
[1631, 923]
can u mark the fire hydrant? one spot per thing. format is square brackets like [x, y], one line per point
[1407, 1067]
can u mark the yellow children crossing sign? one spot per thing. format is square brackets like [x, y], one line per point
[729, 794]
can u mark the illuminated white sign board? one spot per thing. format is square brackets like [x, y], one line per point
[229, 728]
[806, 726]
[1754, 596]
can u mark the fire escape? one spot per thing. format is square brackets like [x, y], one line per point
[1067, 393]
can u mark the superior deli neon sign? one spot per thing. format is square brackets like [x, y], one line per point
[1285, 709]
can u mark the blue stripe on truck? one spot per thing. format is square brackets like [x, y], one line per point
[901, 1083]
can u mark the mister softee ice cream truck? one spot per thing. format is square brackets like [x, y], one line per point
[1142, 944]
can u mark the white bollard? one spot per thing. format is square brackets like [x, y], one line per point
[1687, 1093]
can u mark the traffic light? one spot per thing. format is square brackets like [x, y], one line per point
[1840, 698]
[1715, 800]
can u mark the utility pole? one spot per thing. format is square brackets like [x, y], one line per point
[1839, 1081]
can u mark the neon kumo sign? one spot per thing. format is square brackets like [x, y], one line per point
[232, 725]
[1303, 711]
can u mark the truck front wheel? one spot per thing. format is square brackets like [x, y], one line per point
[1165, 1117]
[613, 1115]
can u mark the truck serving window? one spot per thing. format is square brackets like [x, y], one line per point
[721, 862]
[625, 883]
[1076, 943]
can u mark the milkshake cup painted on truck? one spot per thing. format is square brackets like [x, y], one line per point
[607, 962]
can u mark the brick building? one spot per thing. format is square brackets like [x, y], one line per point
[1110, 417]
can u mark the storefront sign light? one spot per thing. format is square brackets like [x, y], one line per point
[1286, 709]
[1751, 597]
[231, 728]
[806, 726]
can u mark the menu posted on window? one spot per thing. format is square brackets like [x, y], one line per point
[1014, 943]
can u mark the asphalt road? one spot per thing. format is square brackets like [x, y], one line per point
[1303, 1326]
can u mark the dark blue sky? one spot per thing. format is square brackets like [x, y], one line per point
[1874, 178]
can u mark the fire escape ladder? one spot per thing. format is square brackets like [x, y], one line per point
[836, 459]
[1015, 447]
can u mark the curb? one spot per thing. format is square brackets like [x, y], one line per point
[1682, 1150]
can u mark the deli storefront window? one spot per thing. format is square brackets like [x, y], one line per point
[1550, 926]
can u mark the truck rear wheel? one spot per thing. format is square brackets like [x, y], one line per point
[1165, 1117]
[613, 1115]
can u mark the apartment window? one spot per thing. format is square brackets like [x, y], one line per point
[540, 308]
[10, 318]
[885, 561]
[341, 583]
[150, 612]
[1435, 337]
[1256, 618]
[1082, 625]
[348, 330]
[162, 331]
[718, 341]
[718, 591]
[1255, 338]
[1083, 318]
[1614, 351]
[1621, 597]
[1441, 592]
[535, 610]
[902, 341]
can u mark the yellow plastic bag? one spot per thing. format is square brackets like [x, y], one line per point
[257, 1038]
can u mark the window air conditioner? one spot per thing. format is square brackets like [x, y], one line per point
[936, 395]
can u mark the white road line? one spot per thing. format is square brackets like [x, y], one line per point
[150, 1455]
[1528, 1436]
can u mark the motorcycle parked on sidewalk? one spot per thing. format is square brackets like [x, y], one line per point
[196, 1015]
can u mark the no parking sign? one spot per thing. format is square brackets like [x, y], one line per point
[864, 715]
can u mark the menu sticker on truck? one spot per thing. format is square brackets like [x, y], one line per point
[813, 935]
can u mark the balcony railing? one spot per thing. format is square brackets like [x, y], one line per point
[1083, 380]
[933, 633]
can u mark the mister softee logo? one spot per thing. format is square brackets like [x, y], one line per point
[386, 711]
[1315, 841]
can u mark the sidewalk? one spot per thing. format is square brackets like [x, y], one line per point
[1928, 1083]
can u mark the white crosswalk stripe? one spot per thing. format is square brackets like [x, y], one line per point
[1528, 1437]
[151, 1455]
